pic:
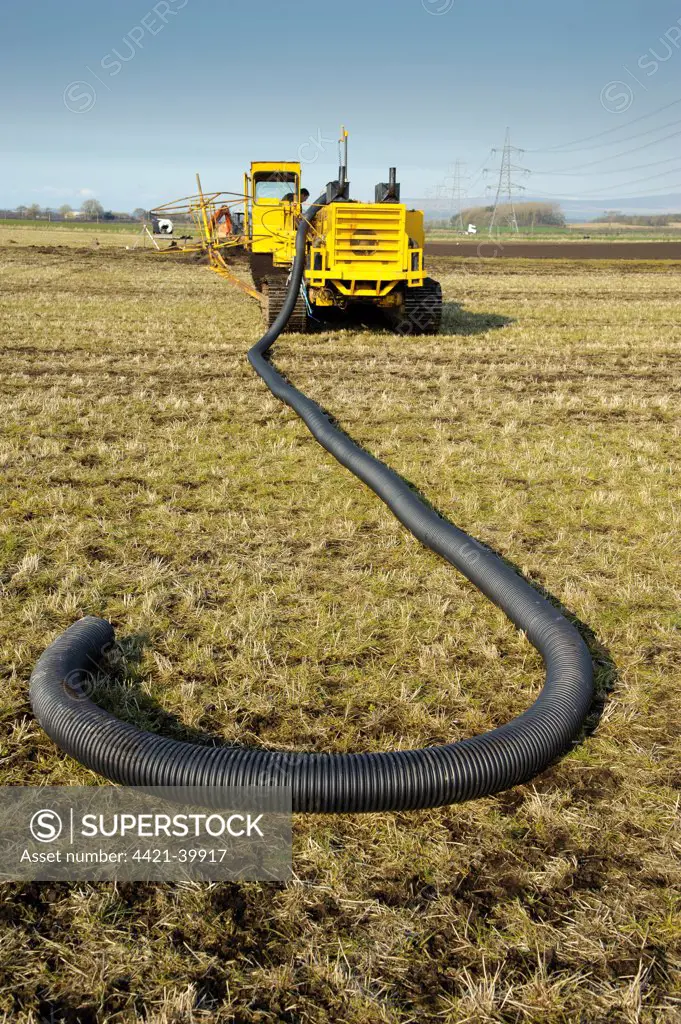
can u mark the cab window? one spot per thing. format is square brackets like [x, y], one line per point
[273, 186]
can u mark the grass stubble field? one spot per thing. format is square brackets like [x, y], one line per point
[77, 233]
[262, 595]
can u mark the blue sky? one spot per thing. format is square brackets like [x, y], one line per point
[127, 100]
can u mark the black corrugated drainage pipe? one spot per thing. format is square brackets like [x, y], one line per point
[395, 780]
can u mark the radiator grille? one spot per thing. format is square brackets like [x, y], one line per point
[372, 233]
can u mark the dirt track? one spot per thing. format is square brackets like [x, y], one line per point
[559, 250]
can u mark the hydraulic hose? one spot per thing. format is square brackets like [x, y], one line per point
[395, 780]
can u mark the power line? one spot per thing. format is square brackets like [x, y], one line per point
[636, 181]
[643, 195]
[481, 174]
[634, 149]
[636, 167]
[608, 131]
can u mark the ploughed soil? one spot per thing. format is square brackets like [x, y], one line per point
[559, 250]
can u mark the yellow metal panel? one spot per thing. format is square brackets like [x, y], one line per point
[292, 166]
[414, 224]
[274, 222]
[247, 194]
[367, 249]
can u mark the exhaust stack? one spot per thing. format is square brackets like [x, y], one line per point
[389, 191]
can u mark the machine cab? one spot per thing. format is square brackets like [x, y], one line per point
[273, 190]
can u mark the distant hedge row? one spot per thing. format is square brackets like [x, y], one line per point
[649, 220]
[527, 215]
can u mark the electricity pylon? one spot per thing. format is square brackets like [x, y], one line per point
[452, 189]
[457, 190]
[506, 187]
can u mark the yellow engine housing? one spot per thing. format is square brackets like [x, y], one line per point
[365, 250]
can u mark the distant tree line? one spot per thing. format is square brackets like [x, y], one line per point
[528, 215]
[90, 210]
[646, 220]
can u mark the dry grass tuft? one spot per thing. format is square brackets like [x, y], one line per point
[262, 595]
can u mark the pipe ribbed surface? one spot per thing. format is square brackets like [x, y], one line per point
[395, 780]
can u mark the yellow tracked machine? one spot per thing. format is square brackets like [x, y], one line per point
[358, 254]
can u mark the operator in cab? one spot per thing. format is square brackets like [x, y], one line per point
[290, 197]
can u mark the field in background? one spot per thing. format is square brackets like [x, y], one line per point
[41, 224]
[570, 233]
[262, 595]
[73, 233]
[40, 232]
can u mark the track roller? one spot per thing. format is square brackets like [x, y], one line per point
[276, 288]
[421, 311]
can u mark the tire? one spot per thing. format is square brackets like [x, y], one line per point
[275, 288]
[421, 312]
